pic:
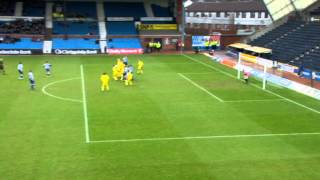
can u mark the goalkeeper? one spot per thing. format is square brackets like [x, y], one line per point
[246, 76]
[104, 82]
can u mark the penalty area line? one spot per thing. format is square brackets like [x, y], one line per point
[268, 91]
[200, 87]
[206, 137]
[84, 102]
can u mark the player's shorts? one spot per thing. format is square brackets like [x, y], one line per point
[32, 82]
[20, 72]
[47, 70]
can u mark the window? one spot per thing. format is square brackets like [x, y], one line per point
[252, 15]
[244, 15]
[238, 14]
[259, 15]
[218, 14]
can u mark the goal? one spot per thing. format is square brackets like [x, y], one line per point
[256, 67]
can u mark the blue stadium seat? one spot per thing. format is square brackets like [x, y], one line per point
[86, 9]
[75, 43]
[121, 9]
[7, 8]
[121, 28]
[34, 8]
[124, 43]
[24, 43]
[68, 27]
[159, 11]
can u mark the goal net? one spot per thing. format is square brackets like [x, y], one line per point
[255, 67]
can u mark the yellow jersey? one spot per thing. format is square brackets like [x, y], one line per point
[140, 64]
[115, 69]
[129, 76]
[104, 78]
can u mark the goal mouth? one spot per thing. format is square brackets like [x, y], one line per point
[257, 67]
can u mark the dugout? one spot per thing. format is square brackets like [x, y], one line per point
[237, 47]
[234, 49]
[259, 52]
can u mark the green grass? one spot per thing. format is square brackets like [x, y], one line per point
[44, 138]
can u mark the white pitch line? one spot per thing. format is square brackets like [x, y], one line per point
[205, 137]
[209, 66]
[200, 73]
[84, 100]
[254, 100]
[294, 102]
[200, 87]
[44, 90]
[273, 93]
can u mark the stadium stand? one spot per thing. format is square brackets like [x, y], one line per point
[23, 43]
[121, 28]
[291, 41]
[81, 10]
[34, 8]
[7, 8]
[124, 43]
[75, 43]
[22, 27]
[75, 27]
[276, 33]
[310, 59]
[115, 9]
[315, 12]
[161, 11]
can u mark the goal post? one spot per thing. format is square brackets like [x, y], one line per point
[256, 67]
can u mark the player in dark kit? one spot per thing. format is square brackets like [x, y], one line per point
[2, 67]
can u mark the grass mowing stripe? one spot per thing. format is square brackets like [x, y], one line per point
[273, 93]
[44, 90]
[294, 102]
[200, 87]
[209, 66]
[206, 137]
[85, 110]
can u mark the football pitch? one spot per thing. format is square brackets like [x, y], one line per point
[186, 117]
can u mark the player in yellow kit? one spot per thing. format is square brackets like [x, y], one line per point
[121, 69]
[140, 67]
[104, 82]
[119, 62]
[115, 72]
[129, 79]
